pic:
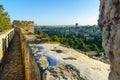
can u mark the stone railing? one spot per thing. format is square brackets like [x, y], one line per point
[5, 39]
[32, 71]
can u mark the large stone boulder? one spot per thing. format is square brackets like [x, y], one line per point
[109, 21]
[62, 72]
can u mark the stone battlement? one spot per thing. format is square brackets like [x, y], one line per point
[26, 25]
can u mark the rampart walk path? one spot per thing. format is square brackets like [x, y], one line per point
[13, 68]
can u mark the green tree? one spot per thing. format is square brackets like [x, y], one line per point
[66, 44]
[4, 19]
[83, 46]
[95, 48]
[39, 31]
[55, 38]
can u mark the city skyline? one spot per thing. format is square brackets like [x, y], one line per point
[54, 12]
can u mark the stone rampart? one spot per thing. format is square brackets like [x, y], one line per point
[5, 39]
[32, 71]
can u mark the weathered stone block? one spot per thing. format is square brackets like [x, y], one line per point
[111, 34]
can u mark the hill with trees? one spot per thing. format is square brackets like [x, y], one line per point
[84, 38]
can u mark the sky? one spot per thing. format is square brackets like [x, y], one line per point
[53, 12]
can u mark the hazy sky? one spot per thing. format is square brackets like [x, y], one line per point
[53, 12]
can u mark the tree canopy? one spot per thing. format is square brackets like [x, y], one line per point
[4, 19]
[87, 38]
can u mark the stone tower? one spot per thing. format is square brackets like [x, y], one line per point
[26, 25]
[109, 21]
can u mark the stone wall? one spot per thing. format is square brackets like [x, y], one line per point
[32, 71]
[26, 25]
[109, 21]
[5, 39]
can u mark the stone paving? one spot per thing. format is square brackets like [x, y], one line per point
[13, 68]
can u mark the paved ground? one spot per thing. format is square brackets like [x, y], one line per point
[13, 68]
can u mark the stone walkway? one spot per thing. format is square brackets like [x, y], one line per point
[13, 68]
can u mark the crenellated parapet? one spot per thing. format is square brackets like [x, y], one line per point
[26, 25]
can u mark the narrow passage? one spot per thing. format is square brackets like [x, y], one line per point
[13, 68]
